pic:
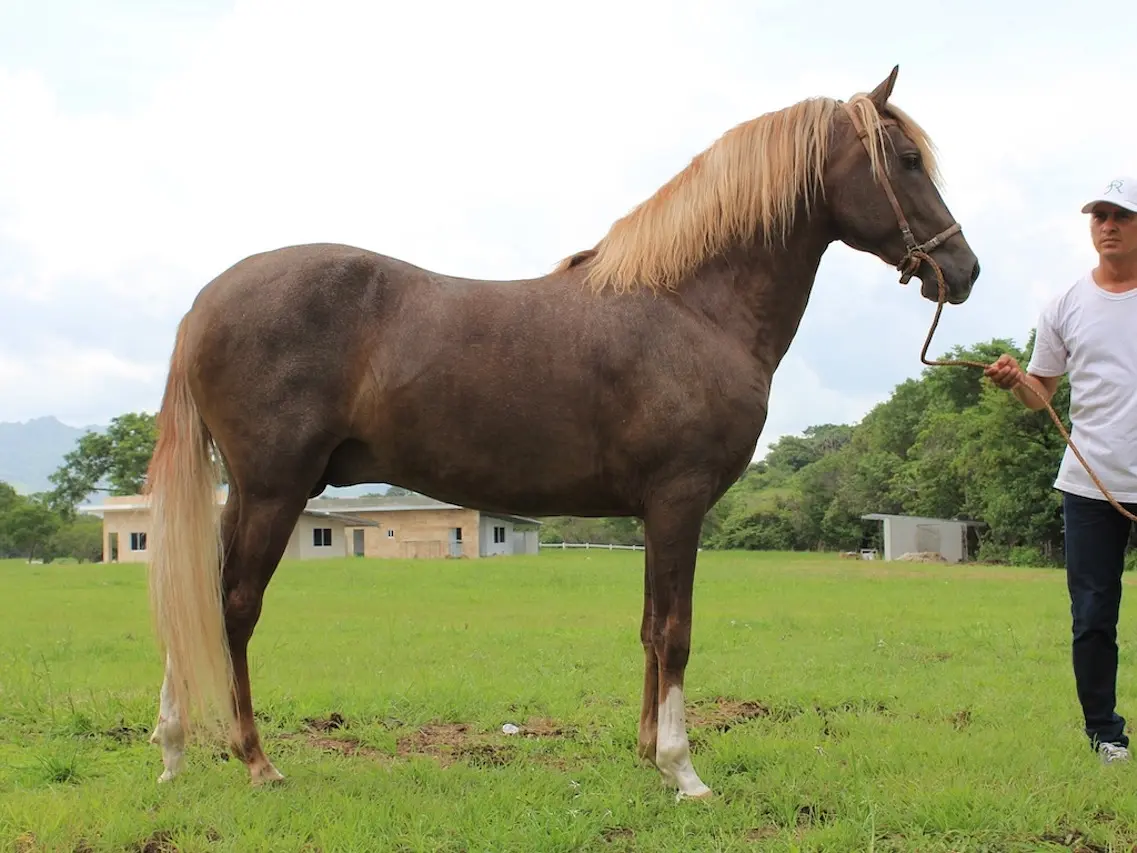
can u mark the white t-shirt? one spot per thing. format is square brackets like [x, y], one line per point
[1091, 334]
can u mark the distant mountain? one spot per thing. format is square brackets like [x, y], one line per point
[32, 450]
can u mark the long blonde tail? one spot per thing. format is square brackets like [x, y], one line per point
[185, 558]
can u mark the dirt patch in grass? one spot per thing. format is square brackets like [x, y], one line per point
[159, 842]
[126, 734]
[484, 754]
[445, 742]
[543, 727]
[346, 746]
[333, 722]
[618, 835]
[810, 815]
[1073, 840]
[440, 740]
[723, 714]
[960, 720]
[449, 742]
[853, 706]
[316, 729]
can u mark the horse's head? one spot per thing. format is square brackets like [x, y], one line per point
[880, 186]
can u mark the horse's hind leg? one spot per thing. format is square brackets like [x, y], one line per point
[169, 733]
[255, 534]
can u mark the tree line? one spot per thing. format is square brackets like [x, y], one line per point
[946, 444]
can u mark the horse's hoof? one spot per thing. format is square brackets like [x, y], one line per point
[697, 792]
[173, 763]
[703, 793]
[267, 775]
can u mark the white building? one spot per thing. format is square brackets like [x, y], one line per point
[410, 526]
[908, 534]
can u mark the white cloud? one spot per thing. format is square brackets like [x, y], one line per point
[489, 140]
[800, 398]
[89, 374]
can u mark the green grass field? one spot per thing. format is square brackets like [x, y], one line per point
[833, 705]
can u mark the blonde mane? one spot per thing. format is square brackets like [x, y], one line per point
[749, 181]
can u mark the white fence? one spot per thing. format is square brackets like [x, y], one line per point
[588, 546]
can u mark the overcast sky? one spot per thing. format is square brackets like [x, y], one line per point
[146, 147]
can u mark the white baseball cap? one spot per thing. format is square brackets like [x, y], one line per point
[1121, 191]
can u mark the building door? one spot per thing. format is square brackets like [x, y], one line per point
[112, 547]
[357, 541]
[456, 542]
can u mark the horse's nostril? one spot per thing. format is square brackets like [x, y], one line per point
[975, 272]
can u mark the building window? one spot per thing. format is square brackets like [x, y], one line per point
[457, 534]
[498, 535]
[322, 537]
[137, 541]
[390, 534]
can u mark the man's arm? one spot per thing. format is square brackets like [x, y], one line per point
[1032, 390]
[1035, 391]
[1035, 386]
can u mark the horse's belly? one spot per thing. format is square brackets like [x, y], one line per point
[526, 476]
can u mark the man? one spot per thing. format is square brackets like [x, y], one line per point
[1089, 332]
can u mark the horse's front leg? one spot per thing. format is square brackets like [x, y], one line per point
[674, 533]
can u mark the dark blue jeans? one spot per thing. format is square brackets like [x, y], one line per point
[1096, 537]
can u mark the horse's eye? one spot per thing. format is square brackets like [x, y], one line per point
[911, 161]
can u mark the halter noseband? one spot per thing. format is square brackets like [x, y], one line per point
[916, 251]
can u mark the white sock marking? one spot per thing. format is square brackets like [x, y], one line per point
[169, 733]
[673, 751]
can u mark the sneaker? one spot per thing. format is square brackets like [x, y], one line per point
[1111, 752]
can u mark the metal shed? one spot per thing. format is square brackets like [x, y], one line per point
[906, 534]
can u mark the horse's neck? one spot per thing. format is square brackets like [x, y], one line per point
[759, 295]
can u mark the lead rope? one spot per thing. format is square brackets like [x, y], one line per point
[910, 263]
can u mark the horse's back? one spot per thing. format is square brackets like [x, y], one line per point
[347, 316]
[307, 270]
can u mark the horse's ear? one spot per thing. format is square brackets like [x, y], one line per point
[883, 92]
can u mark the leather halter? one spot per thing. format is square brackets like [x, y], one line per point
[911, 260]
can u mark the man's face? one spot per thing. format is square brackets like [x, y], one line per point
[1114, 231]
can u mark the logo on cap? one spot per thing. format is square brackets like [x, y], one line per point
[1115, 185]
